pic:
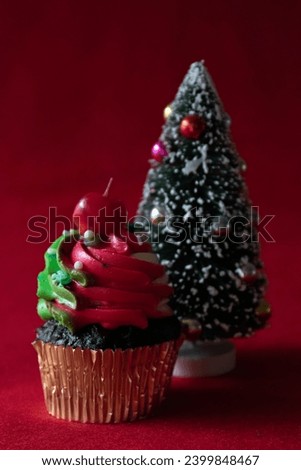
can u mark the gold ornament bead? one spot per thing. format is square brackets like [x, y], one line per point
[263, 309]
[192, 329]
[167, 111]
[157, 216]
[191, 324]
[242, 166]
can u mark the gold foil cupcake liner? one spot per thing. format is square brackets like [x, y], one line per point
[105, 386]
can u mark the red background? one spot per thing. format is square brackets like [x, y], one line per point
[83, 85]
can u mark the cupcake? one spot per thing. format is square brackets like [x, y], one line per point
[109, 342]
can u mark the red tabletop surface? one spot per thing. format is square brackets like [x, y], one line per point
[83, 86]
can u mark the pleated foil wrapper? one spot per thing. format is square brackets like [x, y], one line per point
[105, 386]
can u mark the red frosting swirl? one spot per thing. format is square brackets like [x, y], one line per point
[123, 288]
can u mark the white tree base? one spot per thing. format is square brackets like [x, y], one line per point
[199, 359]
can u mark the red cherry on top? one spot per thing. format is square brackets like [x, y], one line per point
[100, 213]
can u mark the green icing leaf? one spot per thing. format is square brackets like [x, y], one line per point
[51, 266]
[51, 261]
[48, 310]
[61, 317]
[75, 275]
[52, 282]
[43, 309]
[79, 277]
[45, 290]
[63, 295]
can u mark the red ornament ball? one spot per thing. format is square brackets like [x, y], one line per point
[248, 273]
[192, 126]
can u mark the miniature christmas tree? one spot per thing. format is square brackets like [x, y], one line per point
[202, 224]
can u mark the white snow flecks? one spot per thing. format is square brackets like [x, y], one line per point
[210, 195]
[222, 325]
[218, 250]
[165, 262]
[234, 297]
[186, 207]
[206, 270]
[204, 150]
[218, 112]
[191, 166]
[199, 212]
[186, 216]
[194, 76]
[221, 206]
[237, 335]
[197, 248]
[212, 291]
[206, 307]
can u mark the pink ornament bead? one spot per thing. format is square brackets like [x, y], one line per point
[159, 151]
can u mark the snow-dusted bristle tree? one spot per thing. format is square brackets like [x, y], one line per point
[201, 220]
